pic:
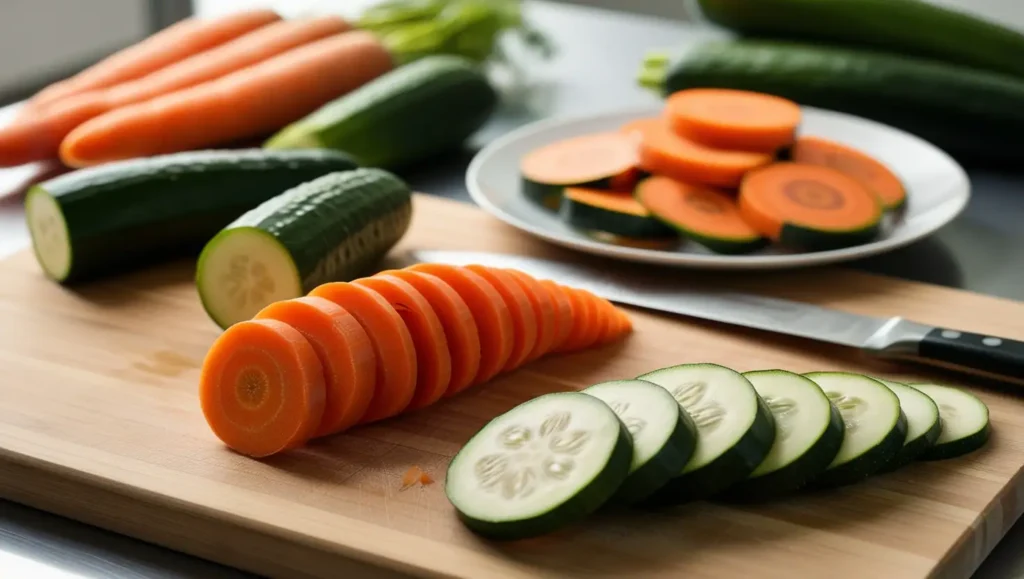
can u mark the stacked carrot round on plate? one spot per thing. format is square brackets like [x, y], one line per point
[728, 169]
[356, 352]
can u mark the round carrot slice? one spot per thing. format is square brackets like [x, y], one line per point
[544, 309]
[261, 388]
[664, 152]
[433, 361]
[598, 316]
[563, 314]
[392, 346]
[733, 119]
[583, 322]
[524, 319]
[492, 317]
[601, 160]
[809, 206]
[460, 329]
[705, 215]
[344, 351]
[861, 166]
[612, 322]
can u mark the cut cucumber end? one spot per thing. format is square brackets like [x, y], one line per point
[964, 418]
[241, 271]
[297, 136]
[49, 231]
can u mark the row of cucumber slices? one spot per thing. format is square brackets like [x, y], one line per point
[699, 431]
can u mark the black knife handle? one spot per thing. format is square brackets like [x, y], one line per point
[975, 353]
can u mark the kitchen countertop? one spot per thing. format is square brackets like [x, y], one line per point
[982, 251]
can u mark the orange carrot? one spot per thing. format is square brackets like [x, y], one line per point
[609, 322]
[261, 388]
[598, 321]
[543, 308]
[857, 164]
[433, 361]
[411, 477]
[492, 317]
[583, 313]
[426, 479]
[244, 104]
[563, 311]
[344, 351]
[524, 320]
[392, 346]
[733, 119]
[176, 42]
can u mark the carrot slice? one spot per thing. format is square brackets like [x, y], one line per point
[612, 322]
[392, 346]
[460, 329]
[433, 361]
[563, 314]
[586, 159]
[544, 310]
[599, 317]
[261, 388]
[733, 119]
[583, 320]
[663, 152]
[857, 164]
[492, 317]
[344, 351]
[524, 319]
[809, 206]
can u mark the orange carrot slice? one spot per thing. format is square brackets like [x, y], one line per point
[663, 152]
[261, 388]
[544, 309]
[492, 317]
[611, 321]
[583, 313]
[599, 319]
[809, 206]
[433, 361]
[344, 351]
[524, 319]
[460, 329]
[733, 119]
[857, 164]
[392, 346]
[586, 160]
[563, 311]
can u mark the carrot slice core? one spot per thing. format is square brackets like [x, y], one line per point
[857, 164]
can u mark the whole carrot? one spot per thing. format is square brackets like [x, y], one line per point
[250, 102]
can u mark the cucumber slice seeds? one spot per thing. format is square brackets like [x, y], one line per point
[923, 425]
[964, 418]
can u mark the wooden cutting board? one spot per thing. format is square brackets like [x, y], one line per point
[99, 421]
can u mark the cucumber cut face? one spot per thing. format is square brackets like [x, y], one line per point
[664, 436]
[50, 239]
[923, 425]
[735, 427]
[874, 426]
[964, 419]
[543, 465]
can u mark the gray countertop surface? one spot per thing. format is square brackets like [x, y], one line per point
[599, 51]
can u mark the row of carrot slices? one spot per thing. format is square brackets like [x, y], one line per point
[356, 352]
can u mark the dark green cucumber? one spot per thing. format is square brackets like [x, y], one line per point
[546, 464]
[610, 212]
[923, 424]
[964, 418]
[899, 26]
[333, 228]
[413, 112]
[130, 214]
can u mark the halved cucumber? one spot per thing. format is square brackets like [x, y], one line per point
[611, 212]
[543, 465]
[664, 435]
[735, 429]
[874, 426]
[923, 425]
[964, 419]
[595, 161]
[808, 435]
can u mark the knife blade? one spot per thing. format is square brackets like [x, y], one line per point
[893, 338]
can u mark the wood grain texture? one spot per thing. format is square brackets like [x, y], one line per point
[100, 422]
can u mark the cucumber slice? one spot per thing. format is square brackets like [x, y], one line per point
[874, 426]
[664, 435]
[808, 435]
[923, 425]
[330, 229]
[544, 465]
[611, 212]
[736, 429]
[964, 419]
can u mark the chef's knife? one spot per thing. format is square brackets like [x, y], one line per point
[988, 356]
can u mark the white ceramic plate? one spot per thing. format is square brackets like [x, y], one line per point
[937, 191]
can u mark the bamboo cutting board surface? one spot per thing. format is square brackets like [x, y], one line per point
[99, 421]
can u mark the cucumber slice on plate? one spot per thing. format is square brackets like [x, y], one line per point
[923, 425]
[874, 426]
[964, 419]
[664, 435]
[735, 429]
[541, 466]
[808, 435]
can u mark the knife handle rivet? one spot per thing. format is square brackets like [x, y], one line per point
[992, 341]
[950, 334]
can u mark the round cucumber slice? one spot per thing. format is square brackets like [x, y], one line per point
[543, 465]
[664, 436]
[964, 419]
[808, 435]
[735, 429]
[923, 425]
[49, 231]
[874, 426]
